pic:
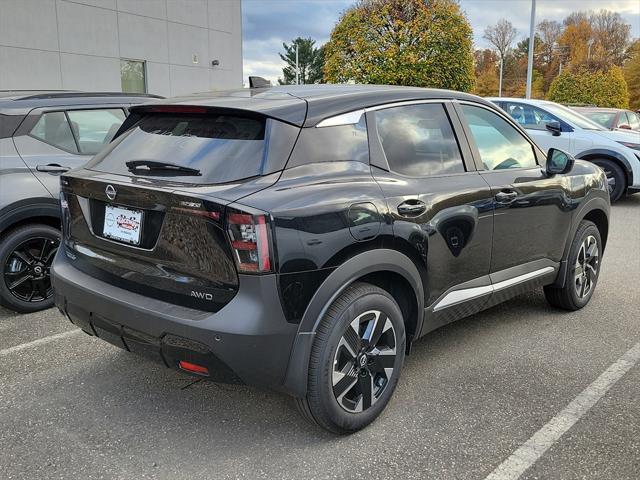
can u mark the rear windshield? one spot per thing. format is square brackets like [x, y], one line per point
[222, 148]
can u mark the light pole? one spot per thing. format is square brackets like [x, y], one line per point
[532, 41]
[297, 67]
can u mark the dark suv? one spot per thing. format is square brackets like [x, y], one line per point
[302, 238]
[43, 134]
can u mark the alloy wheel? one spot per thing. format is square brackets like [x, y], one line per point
[611, 180]
[27, 269]
[364, 361]
[586, 266]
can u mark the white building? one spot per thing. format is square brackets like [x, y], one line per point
[166, 47]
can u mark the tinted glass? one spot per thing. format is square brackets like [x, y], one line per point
[54, 129]
[529, 116]
[418, 140]
[500, 145]
[332, 144]
[224, 148]
[95, 128]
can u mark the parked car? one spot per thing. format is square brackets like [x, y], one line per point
[302, 238]
[553, 125]
[611, 118]
[43, 134]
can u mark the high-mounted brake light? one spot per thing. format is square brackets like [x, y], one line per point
[250, 241]
[175, 109]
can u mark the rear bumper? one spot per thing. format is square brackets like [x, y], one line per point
[247, 341]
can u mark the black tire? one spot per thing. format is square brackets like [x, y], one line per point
[569, 296]
[616, 179]
[26, 254]
[367, 304]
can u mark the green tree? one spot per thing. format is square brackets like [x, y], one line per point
[632, 74]
[604, 88]
[426, 43]
[310, 62]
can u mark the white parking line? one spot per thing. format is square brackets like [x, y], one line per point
[40, 341]
[529, 453]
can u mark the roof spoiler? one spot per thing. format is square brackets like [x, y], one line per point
[259, 82]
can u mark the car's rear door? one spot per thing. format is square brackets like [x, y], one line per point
[56, 140]
[533, 210]
[440, 206]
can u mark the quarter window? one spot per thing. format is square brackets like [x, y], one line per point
[501, 146]
[54, 128]
[95, 128]
[418, 140]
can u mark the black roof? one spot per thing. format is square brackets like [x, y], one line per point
[306, 105]
[20, 102]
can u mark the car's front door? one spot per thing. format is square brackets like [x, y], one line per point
[440, 207]
[532, 209]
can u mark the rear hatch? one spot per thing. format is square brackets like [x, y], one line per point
[153, 212]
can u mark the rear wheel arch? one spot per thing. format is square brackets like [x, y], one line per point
[380, 267]
[42, 211]
[595, 210]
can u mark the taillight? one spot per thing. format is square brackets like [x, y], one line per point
[64, 214]
[249, 234]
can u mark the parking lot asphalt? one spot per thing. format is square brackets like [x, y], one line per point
[470, 395]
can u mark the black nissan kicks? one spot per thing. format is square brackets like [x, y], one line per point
[302, 238]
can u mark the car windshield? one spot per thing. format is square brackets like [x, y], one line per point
[573, 118]
[604, 119]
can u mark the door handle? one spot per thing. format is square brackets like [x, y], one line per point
[506, 196]
[52, 168]
[412, 208]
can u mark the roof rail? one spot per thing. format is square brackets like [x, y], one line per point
[76, 94]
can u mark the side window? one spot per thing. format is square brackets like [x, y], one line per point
[54, 129]
[418, 140]
[95, 128]
[528, 116]
[500, 145]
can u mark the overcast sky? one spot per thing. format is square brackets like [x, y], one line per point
[268, 23]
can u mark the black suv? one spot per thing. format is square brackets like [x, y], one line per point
[43, 134]
[302, 238]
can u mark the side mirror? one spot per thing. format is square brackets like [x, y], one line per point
[558, 162]
[554, 127]
[626, 127]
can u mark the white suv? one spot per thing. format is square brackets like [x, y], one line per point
[552, 125]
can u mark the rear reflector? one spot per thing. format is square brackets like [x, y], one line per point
[193, 368]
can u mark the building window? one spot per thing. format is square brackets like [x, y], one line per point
[133, 76]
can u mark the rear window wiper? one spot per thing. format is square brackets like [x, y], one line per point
[149, 166]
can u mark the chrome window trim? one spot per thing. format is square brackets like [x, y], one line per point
[353, 117]
[349, 118]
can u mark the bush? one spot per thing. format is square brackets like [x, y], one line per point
[600, 88]
[425, 43]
